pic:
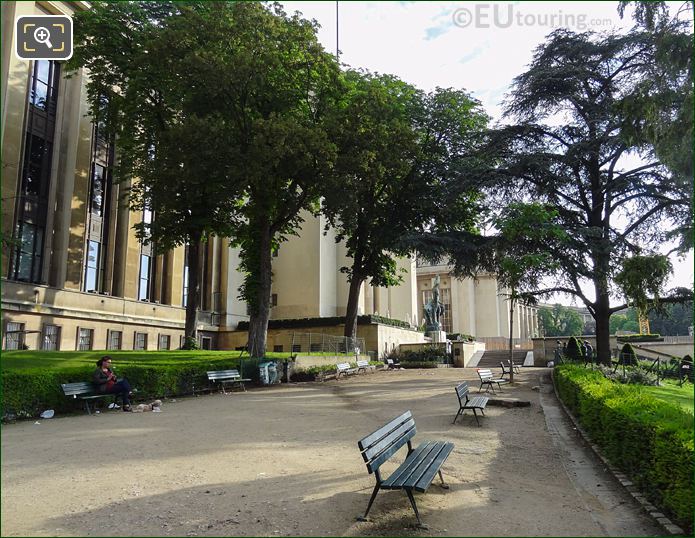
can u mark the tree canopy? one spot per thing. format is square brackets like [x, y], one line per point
[398, 153]
[151, 66]
[569, 150]
[560, 320]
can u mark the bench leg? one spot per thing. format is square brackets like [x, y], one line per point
[457, 415]
[86, 405]
[369, 506]
[475, 414]
[420, 524]
[444, 484]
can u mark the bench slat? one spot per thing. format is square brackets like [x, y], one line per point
[383, 443]
[390, 451]
[439, 455]
[370, 439]
[400, 475]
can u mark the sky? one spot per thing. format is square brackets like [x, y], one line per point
[479, 47]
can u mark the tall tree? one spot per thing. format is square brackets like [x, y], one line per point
[278, 88]
[560, 320]
[397, 148]
[522, 257]
[150, 68]
[608, 206]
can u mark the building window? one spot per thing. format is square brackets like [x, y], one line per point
[184, 300]
[205, 342]
[84, 339]
[296, 348]
[140, 342]
[14, 336]
[145, 272]
[115, 340]
[164, 341]
[273, 299]
[91, 276]
[32, 199]
[146, 262]
[277, 349]
[50, 338]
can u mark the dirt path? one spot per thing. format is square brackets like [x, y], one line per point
[284, 461]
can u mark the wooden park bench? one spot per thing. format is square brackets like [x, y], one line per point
[466, 402]
[225, 377]
[487, 378]
[364, 366]
[345, 369]
[85, 391]
[416, 472]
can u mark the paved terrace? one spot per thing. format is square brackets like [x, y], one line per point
[284, 461]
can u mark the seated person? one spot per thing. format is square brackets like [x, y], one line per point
[107, 383]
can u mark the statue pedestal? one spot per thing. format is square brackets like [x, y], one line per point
[437, 336]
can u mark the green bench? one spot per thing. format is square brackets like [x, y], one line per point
[416, 472]
[85, 391]
[466, 402]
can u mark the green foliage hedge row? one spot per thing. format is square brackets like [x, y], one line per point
[640, 338]
[29, 391]
[326, 322]
[649, 439]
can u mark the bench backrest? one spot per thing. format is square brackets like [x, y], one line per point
[343, 366]
[462, 393]
[505, 369]
[380, 445]
[389, 361]
[222, 374]
[362, 364]
[485, 374]
[77, 389]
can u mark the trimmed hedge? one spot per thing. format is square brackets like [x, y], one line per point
[327, 322]
[647, 438]
[27, 392]
[640, 338]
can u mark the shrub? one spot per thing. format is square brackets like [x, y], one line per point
[27, 392]
[628, 356]
[640, 338]
[649, 439]
[573, 351]
[631, 376]
[312, 372]
[428, 354]
[419, 364]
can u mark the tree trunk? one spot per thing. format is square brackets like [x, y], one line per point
[351, 312]
[602, 318]
[260, 311]
[512, 302]
[193, 297]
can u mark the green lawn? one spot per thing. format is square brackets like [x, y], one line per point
[669, 391]
[19, 360]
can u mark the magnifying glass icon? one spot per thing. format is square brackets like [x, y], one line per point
[43, 36]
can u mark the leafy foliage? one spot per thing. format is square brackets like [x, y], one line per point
[650, 440]
[398, 148]
[642, 280]
[578, 165]
[560, 321]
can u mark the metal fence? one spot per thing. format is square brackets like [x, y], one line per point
[326, 343]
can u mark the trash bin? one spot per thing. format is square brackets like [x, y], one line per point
[268, 373]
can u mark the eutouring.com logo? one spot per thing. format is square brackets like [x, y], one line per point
[508, 15]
